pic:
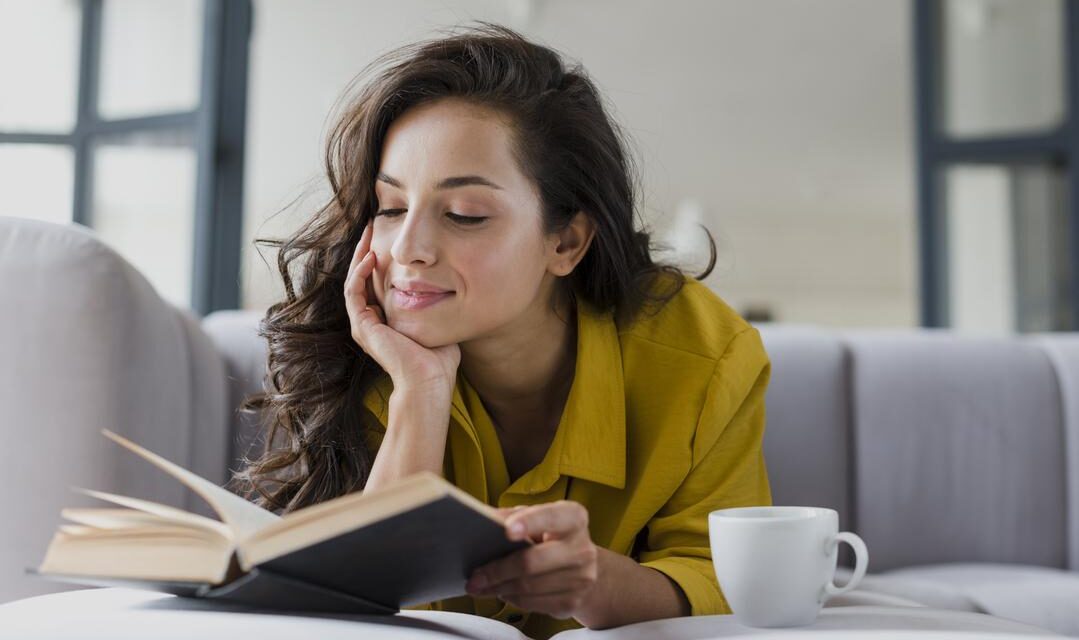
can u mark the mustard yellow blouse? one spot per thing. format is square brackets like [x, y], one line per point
[663, 424]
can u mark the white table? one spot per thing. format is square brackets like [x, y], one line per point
[119, 614]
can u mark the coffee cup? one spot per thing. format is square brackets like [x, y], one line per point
[776, 565]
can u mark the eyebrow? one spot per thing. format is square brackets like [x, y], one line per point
[447, 183]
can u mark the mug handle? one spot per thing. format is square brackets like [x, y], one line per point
[861, 563]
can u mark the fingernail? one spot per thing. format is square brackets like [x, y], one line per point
[517, 529]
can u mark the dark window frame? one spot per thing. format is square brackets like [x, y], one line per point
[216, 128]
[1058, 147]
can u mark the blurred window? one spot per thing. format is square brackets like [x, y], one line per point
[997, 85]
[106, 121]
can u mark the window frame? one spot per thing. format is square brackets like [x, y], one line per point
[1057, 147]
[216, 126]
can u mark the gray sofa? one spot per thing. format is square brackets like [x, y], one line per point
[954, 457]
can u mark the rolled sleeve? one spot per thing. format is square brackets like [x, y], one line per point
[728, 471]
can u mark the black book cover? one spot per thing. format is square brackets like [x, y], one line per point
[419, 556]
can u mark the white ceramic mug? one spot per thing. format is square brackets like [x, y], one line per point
[776, 565]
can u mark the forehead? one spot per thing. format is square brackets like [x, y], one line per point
[449, 137]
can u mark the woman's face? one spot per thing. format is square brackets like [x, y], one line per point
[457, 215]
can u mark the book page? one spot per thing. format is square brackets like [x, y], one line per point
[465, 625]
[139, 512]
[684, 628]
[241, 516]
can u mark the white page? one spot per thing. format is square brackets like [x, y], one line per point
[152, 508]
[465, 624]
[242, 516]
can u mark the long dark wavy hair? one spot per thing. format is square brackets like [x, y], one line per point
[311, 410]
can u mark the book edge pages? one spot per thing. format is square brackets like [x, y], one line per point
[54, 564]
[154, 509]
[299, 529]
[241, 516]
[175, 587]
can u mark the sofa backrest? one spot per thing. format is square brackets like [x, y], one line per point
[1062, 349]
[808, 426]
[235, 334]
[88, 344]
[958, 448]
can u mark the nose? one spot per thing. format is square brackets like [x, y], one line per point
[416, 239]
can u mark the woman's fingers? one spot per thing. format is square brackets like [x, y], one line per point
[365, 314]
[505, 511]
[362, 247]
[355, 283]
[558, 605]
[562, 518]
[541, 558]
[545, 584]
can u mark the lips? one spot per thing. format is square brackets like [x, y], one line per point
[421, 294]
[413, 300]
[419, 288]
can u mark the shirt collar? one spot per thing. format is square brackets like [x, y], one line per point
[594, 419]
[590, 442]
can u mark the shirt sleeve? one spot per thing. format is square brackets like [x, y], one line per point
[728, 470]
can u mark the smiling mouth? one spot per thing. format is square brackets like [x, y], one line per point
[420, 294]
[419, 300]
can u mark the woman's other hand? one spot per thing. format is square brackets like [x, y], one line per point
[408, 362]
[554, 576]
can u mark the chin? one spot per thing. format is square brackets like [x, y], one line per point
[421, 333]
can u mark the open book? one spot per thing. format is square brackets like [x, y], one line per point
[410, 543]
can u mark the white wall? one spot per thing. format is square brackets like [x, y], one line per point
[790, 122]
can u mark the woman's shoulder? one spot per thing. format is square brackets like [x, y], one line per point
[695, 320]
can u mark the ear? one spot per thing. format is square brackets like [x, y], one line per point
[569, 246]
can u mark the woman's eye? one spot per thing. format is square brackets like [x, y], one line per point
[459, 219]
[466, 219]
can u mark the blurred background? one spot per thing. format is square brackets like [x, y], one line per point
[892, 163]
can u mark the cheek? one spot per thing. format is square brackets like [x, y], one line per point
[504, 276]
[378, 274]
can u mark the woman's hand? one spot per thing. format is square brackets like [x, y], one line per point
[556, 575]
[407, 361]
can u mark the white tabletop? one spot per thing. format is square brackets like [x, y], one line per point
[118, 614]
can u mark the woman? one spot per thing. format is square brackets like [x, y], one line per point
[475, 301]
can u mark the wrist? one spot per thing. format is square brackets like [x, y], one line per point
[593, 612]
[433, 392]
[435, 386]
[425, 407]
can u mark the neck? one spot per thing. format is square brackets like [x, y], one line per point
[524, 375]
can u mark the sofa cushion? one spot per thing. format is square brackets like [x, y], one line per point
[806, 438]
[960, 450]
[1040, 596]
[235, 333]
[915, 589]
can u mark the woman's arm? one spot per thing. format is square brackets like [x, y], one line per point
[627, 592]
[415, 438]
